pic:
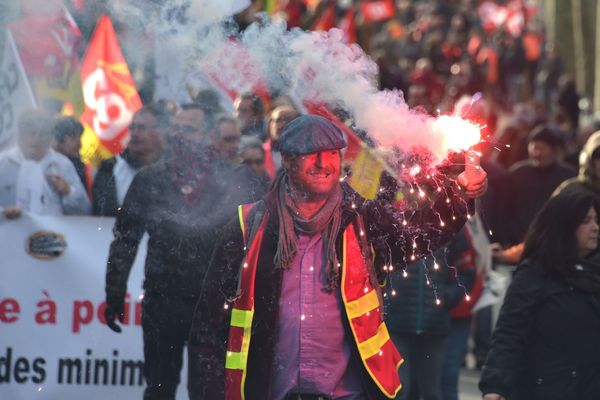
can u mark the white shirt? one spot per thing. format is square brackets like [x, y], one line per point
[124, 174]
[24, 183]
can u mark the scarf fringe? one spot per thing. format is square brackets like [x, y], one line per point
[327, 221]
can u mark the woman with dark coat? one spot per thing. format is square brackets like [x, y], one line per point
[546, 343]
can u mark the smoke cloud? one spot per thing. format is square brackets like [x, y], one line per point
[192, 43]
[309, 66]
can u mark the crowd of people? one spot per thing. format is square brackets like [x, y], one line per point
[187, 167]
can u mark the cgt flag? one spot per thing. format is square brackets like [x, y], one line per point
[109, 92]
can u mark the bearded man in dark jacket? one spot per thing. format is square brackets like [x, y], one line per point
[180, 201]
[300, 281]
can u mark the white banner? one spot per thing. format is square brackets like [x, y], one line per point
[15, 93]
[54, 343]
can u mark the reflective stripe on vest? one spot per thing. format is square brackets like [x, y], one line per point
[242, 312]
[378, 353]
[361, 302]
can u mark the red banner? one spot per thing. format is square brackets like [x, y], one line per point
[109, 92]
[327, 19]
[48, 42]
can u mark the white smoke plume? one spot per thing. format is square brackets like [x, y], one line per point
[191, 39]
[318, 67]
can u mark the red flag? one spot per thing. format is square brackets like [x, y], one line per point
[47, 42]
[232, 70]
[512, 16]
[354, 142]
[327, 20]
[377, 10]
[109, 92]
[348, 25]
[492, 15]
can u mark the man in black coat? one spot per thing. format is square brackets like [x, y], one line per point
[531, 182]
[180, 201]
[304, 224]
[146, 144]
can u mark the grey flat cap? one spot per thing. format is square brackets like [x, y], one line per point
[310, 134]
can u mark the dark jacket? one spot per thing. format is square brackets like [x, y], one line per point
[104, 190]
[586, 180]
[181, 237]
[81, 170]
[545, 345]
[528, 188]
[208, 337]
[410, 303]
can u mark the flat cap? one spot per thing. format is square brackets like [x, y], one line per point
[547, 134]
[310, 134]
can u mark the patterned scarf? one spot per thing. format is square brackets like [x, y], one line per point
[190, 165]
[327, 221]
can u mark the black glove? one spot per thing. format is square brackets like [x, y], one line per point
[114, 310]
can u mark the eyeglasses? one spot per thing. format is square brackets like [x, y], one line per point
[253, 161]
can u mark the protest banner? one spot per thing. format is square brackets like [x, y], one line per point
[53, 340]
[15, 93]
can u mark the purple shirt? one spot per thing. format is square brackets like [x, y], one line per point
[312, 352]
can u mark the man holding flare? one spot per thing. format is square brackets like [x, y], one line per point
[291, 305]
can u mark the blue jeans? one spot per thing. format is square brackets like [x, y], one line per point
[454, 357]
